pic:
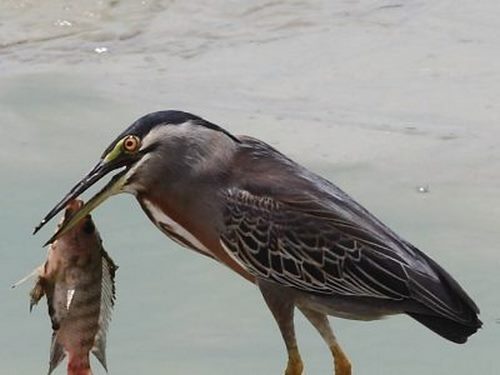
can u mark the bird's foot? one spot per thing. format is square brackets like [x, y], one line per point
[342, 367]
[295, 365]
[342, 363]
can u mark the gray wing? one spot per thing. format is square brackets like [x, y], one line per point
[299, 244]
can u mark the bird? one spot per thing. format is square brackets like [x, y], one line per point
[304, 242]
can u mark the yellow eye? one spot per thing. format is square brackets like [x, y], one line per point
[131, 144]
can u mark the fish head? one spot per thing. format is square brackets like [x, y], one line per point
[82, 235]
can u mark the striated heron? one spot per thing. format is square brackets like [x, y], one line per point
[303, 241]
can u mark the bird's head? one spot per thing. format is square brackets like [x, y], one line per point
[154, 145]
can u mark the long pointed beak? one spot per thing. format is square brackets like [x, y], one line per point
[113, 187]
[99, 171]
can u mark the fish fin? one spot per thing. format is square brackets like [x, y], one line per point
[108, 295]
[99, 350]
[37, 292]
[55, 316]
[36, 272]
[110, 263]
[57, 353]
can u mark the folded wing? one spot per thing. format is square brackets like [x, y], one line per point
[298, 243]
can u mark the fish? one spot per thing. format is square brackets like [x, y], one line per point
[78, 280]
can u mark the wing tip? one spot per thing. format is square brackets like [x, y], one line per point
[447, 328]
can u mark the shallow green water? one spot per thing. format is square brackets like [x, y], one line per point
[379, 98]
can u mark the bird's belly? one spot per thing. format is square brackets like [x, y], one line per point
[355, 308]
[172, 229]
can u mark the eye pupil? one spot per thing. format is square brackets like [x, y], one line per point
[131, 144]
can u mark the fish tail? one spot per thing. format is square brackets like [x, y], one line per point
[79, 364]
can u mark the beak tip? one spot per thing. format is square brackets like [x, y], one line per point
[39, 226]
[94, 175]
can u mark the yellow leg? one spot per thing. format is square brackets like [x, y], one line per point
[294, 365]
[282, 307]
[320, 322]
[342, 363]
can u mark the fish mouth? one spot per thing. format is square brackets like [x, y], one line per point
[113, 187]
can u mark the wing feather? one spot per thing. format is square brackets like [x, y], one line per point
[314, 237]
[319, 254]
[297, 243]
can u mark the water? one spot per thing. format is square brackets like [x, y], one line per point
[380, 97]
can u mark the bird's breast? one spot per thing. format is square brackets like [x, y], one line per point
[172, 228]
[185, 237]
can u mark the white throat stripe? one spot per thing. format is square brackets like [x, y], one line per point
[163, 222]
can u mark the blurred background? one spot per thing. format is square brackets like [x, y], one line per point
[394, 101]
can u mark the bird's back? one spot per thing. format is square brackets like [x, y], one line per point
[368, 256]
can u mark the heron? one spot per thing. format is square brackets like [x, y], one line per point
[304, 242]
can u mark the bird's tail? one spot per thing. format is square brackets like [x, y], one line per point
[447, 328]
[455, 317]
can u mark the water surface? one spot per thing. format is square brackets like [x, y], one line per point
[380, 97]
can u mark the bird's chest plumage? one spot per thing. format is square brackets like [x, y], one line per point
[172, 228]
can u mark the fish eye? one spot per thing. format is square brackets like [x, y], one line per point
[131, 144]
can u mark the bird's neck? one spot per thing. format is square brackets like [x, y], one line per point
[188, 223]
[175, 217]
